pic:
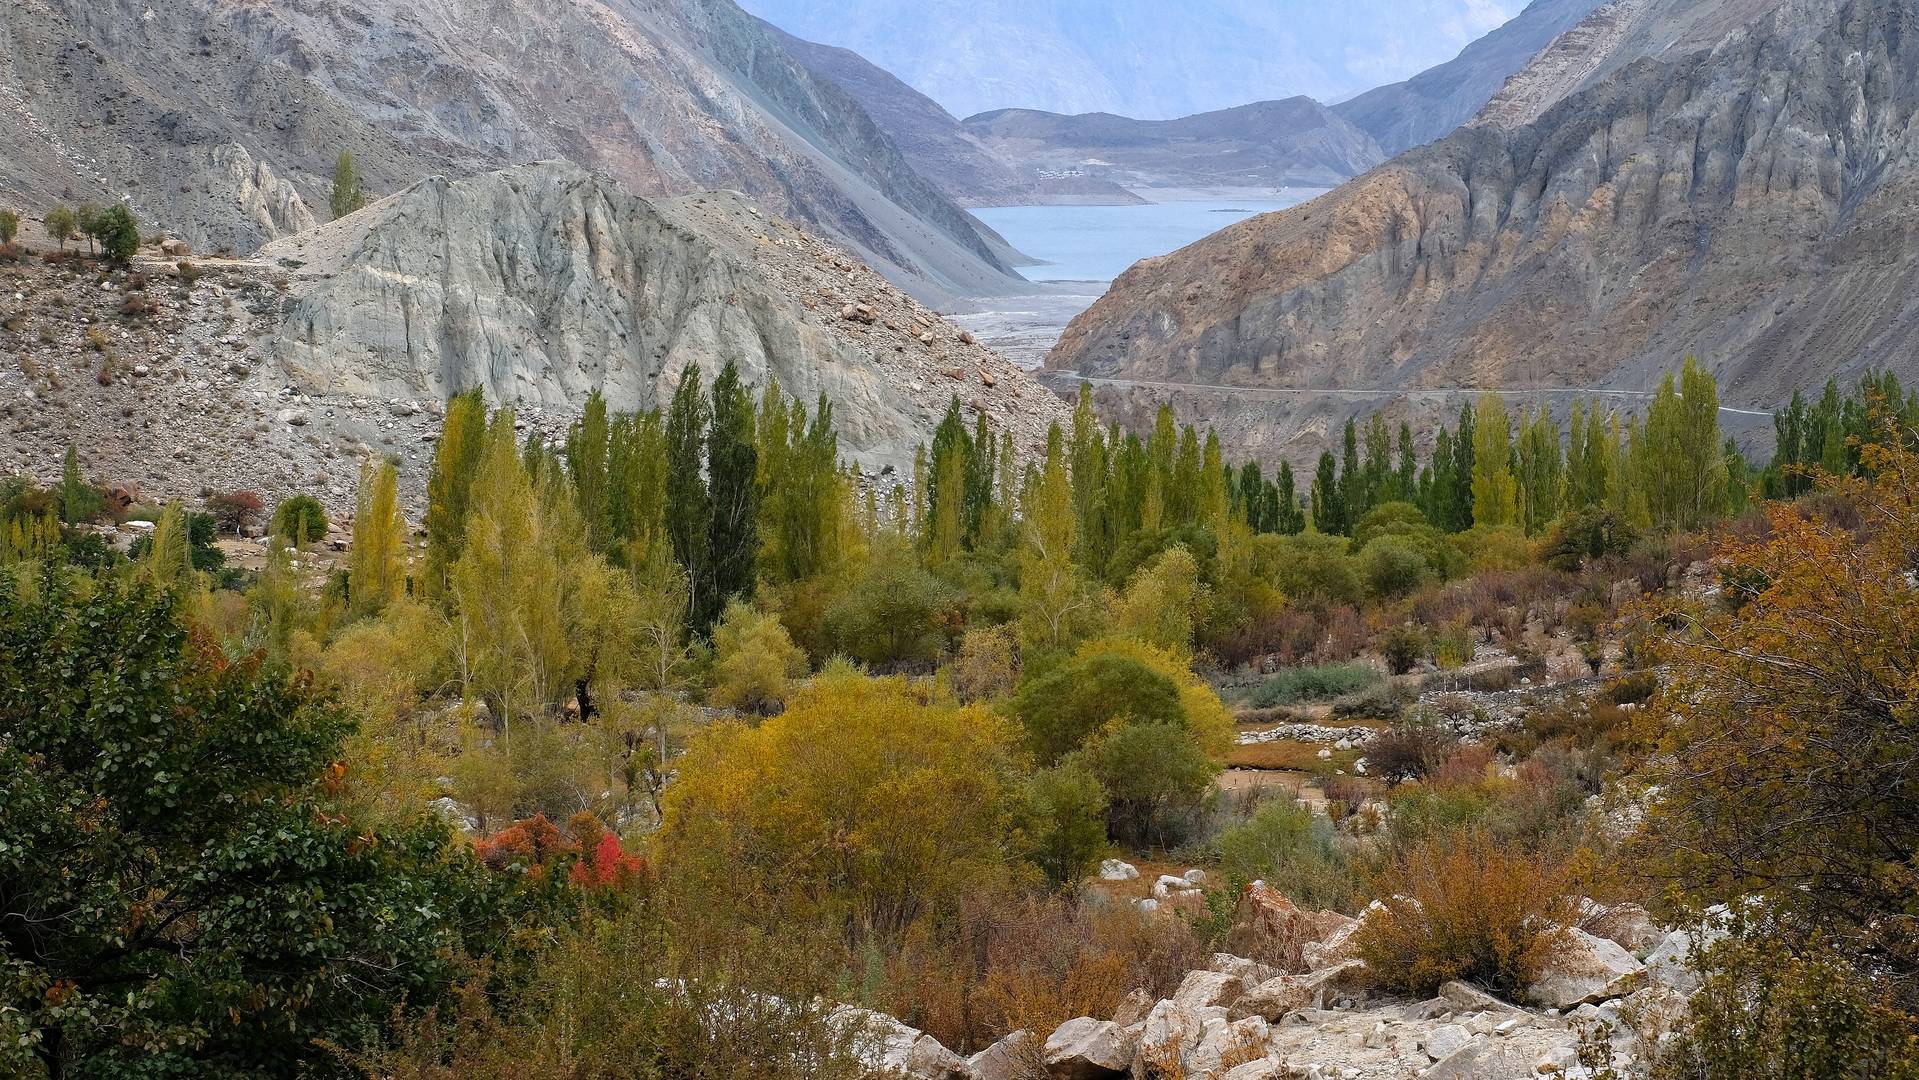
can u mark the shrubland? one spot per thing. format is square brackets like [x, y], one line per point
[667, 736]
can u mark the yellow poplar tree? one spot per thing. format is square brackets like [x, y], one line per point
[376, 566]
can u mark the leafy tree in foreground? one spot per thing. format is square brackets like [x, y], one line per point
[1794, 772]
[183, 895]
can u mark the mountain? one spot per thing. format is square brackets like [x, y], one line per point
[1141, 58]
[935, 144]
[1266, 144]
[1732, 178]
[221, 120]
[1434, 102]
[538, 283]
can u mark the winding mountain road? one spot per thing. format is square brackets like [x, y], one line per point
[1071, 378]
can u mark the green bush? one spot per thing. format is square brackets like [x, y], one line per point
[202, 901]
[1393, 566]
[1156, 779]
[300, 520]
[1295, 851]
[1402, 646]
[1066, 706]
[1769, 1010]
[1067, 821]
[1322, 683]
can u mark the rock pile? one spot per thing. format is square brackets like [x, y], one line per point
[1291, 1002]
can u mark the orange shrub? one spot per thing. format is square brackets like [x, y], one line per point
[1463, 908]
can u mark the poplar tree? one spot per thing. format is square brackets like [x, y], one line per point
[689, 512]
[376, 574]
[449, 483]
[1329, 504]
[1495, 492]
[732, 466]
[510, 586]
[1288, 518]
[1465, 460]
[636, 465]
[1052, 593]
[588, 444]
[1352, 481]
[1182, 497]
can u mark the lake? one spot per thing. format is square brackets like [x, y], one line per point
[1098, 243]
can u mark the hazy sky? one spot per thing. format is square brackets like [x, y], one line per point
[1148, 58]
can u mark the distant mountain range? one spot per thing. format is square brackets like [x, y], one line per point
[1732, 179]
[1141, 58]
[1268, 144]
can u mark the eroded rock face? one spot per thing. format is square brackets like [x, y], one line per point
[543, 283]
[1729, 179]
[131, 98]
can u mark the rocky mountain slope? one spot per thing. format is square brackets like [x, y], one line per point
[1720, 177]
[1432, 103]
[1142, 58]
[1296, 142]
[935, 144]
[538, 283]
[221, 120]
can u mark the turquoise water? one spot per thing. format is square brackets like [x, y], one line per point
[1097, 243]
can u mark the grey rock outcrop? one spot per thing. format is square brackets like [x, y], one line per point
[107, 99]
[544, 283]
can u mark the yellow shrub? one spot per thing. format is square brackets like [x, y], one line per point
[860, 797]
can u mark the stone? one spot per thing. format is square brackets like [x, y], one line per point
[1133, 1008]
[1170, 1032]
[1669, 964]
[141, 371]
[1629, 925]
[295, 417]
[1585, 968]
[1263, 1069]
[1469, 998]
[1276, 997]
[1223, 1040]
[884, 1044]
[1087, 1049]
[1168, 885]
[1117, 870]
[1202, 989]
[1011, 1058]
[1445, 1040]
[1195, 877]
[1269, 928]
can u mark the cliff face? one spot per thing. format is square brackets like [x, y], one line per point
[1297, 141]
[543, 283]
[1432, 103]
[1719, 181]
[112, 97]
